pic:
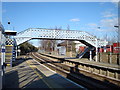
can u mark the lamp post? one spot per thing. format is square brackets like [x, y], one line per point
[117, 32]
[96, 47]
[118, 42]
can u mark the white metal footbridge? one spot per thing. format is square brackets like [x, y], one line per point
[51, 34]
[40, 33]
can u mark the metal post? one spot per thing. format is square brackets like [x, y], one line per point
[110, 54]
[118, 41]
[90, 55]
[96, 50]
[16, 51]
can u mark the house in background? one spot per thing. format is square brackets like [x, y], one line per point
[70, 47]
[114, 48]
[61, 50]
[79, 46]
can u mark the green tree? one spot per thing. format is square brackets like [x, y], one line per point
[27, 47]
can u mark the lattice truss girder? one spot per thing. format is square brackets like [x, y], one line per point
[39, 33]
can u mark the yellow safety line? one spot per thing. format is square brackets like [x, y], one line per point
[8, 64]
[8, 57]
[8, 53]
[8, 45]
[38, 74]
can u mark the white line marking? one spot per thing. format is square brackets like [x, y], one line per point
[44, 66]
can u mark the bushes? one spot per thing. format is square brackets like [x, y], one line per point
[27, 47]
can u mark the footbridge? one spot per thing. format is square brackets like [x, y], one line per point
[49, 34]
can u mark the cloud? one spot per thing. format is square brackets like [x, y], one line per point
[109, 22]
[115, 0]
[104, 25]
[108, 14]
[94, 26]
[75, 20]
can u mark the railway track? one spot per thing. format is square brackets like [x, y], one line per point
[72, 72]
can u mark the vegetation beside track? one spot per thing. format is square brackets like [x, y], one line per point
[27, 47]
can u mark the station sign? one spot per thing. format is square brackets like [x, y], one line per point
[3, 51]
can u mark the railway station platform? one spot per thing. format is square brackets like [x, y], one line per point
[28, 73]
[83, 60]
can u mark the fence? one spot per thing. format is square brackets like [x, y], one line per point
[111, 58]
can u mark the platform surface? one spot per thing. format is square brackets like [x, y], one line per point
[85, 61]
[31, 74]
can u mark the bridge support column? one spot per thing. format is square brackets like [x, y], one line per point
[90, 55]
